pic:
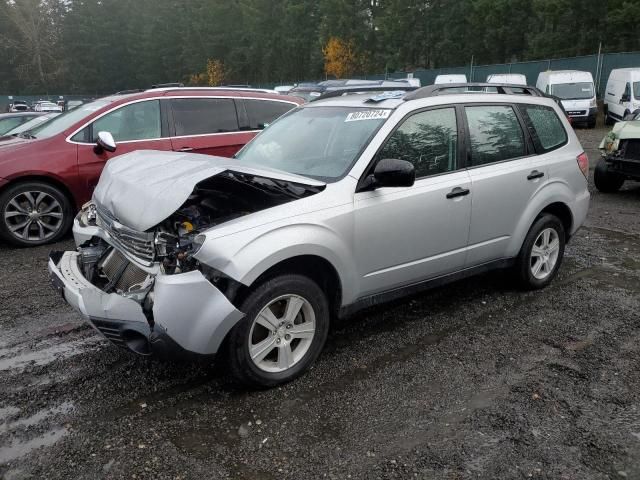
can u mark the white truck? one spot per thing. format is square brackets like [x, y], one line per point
[622, 95]
[576, 91]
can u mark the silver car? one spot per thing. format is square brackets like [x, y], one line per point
[339, 205]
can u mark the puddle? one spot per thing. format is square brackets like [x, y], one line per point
[19, 448]
[45, 355]
[36, 418]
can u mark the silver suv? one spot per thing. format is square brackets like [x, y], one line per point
[341, 204]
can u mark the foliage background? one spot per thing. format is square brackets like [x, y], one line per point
[101, 46]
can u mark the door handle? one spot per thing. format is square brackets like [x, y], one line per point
[458, 192]
[186, 149]
[535, 174]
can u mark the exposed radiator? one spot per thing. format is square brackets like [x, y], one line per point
[130, 277]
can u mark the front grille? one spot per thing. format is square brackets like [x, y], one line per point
[127, 276]
[138, 244]
[577, 112]
[111, 332]
[631, 149]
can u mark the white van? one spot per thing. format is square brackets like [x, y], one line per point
[622, 95]
[440, 79]
[576, 91]
[510, 78]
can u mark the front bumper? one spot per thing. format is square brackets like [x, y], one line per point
[189, 315]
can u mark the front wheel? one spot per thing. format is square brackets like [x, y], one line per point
[284, 330]
[34, 213]
[541, 253]
[605, 180]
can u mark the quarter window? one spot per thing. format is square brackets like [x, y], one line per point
[495, 134]
[201, 116]
[545, 127]
[137, 121]
[263, 112]
[427, 139]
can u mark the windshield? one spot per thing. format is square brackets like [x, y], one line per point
[573, 91]
[67, 119]
[317, 142]
[306, 95]
[26, 126]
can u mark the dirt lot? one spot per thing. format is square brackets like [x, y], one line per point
[474, 380]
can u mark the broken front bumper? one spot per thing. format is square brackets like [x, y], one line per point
[188, 313]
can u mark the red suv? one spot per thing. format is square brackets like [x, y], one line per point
[49, 172]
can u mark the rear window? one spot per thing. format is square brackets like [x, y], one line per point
[199, 116]
[495, 134]
[545, 127]
[263, 112]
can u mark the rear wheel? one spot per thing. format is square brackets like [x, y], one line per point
[605, 180]
[541, 253]
[34, 213]
[282, 333]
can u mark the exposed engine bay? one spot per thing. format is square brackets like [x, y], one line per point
[170, 245]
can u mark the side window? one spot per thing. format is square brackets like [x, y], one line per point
[201, 116]
[545, 127]
[137, 121]
[495, 134]
[627, 91]
[82, 136]
[427, 139]
[263, 112]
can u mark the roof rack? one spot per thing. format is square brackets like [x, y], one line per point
[356, 89]
[168, 85]
[127, 92]
[502, 89]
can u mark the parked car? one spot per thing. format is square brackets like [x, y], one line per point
[622, 95]
[283, 89]
[510, 78]
[577, 92]
[44, 106]
[9, 121]
[312, 91]
[620, 156]
[18, 106]
[60, 161]
[30, 124]
[339, 205]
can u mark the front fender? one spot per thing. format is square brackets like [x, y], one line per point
[553, 192]
[245, 261]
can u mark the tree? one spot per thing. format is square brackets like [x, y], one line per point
[340, 59]
[215, 72]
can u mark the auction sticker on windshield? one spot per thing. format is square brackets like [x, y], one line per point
[368, 115]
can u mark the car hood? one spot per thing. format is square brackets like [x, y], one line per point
[621, 131]
[143, 188]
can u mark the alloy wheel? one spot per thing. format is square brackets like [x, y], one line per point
[33, 216]
[544, 253]
[282, 333]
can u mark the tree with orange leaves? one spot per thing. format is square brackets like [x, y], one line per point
[340, 58]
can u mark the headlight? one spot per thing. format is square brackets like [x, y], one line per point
[593, 103]
[197, 243]
[88, 214]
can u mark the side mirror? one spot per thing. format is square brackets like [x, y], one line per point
[391, 172]
[105, 142]
[624, 98]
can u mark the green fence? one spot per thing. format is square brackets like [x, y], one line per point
[600, 67]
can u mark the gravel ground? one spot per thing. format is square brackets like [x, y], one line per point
[473, 380]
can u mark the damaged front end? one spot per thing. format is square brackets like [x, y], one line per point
[621, 149]
[145, 290]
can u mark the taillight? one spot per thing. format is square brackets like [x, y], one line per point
[583, 164]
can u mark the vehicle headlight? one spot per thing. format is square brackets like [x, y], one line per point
[88, 214]
[197, 243]
[593, 103]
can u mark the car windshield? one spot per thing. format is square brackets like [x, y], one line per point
[317, 142]
[306, 95]
[67, 119]
[636, 90]
[573, 91]
[26, 126]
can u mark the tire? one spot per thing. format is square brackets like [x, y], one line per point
[608, 120]
[276, 295]
[551, 257]
[591, 124]
[48, 226]
[606, 181]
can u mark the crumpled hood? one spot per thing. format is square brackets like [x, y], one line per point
[621, 131]
[143, 188]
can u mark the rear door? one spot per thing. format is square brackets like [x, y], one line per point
[504, 175]
[206, 125]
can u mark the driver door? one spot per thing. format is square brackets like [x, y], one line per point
[409, 234]
[136, 126]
